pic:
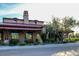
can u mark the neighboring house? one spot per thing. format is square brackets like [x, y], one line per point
[21, 29]
[68, 33]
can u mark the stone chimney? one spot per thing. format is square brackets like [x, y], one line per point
[26, 17]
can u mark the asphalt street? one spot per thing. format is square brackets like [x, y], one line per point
[41, 50]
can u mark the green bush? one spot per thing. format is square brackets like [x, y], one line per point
[26, 41]
[13, 42]
[22, 44]
[43, 36]
[1, 42]
[71, 39]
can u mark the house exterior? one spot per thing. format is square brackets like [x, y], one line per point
[21, 29]
[68, 33]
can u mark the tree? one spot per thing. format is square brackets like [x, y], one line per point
[68, 23]
[53, 29]
[56, 28]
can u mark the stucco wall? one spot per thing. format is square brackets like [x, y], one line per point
[9, 21]
[21, 36]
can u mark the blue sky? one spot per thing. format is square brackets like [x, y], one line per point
[7, 5]
[5, 8]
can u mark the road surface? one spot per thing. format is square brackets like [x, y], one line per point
[41, 50]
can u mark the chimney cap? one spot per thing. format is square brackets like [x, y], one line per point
[25, 15]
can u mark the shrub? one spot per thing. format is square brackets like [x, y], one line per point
[6, 42]
[22, 44]
[30, 41]
[36, 43]
[43, 36]
[26, 41]
[1, 42]
[13, 42]
[71, 39]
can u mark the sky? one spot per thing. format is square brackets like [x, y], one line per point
[39, 11]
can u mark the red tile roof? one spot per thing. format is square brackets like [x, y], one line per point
[20, 25]
[14, 28]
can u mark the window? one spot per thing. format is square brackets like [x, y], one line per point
[28, 35]
[15, 35]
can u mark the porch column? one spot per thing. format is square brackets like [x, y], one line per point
[6, 35]
[34, 36]
[21, 36]
[37, 36]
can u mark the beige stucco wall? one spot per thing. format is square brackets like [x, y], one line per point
[9, 21]
[36, 35]
[19, 21]
[21, 36]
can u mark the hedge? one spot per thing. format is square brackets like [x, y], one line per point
[71, 39]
